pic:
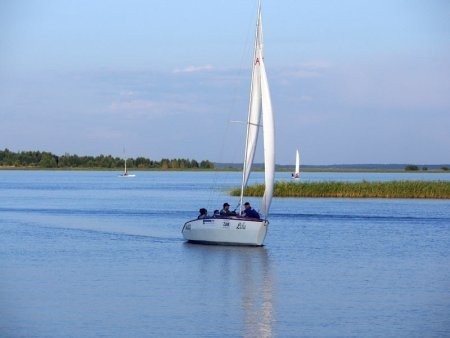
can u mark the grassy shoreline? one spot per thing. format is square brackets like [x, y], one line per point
[364, 189]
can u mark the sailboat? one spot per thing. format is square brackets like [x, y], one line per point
[125, 172]
[296, 173]
[239, 230]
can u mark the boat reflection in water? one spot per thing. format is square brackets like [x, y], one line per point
[236, 285]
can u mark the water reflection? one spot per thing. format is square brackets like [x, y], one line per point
[244, 283]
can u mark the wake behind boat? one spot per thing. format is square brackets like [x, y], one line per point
[237, 230]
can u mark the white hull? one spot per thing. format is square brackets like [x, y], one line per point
[228, 231]
[127, 175]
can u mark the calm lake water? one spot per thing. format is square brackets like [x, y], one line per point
[89, 254]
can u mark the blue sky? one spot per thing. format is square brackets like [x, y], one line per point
[352, 81]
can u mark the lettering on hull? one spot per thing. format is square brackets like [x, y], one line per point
[241, 225]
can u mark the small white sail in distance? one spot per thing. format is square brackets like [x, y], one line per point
[296, 173]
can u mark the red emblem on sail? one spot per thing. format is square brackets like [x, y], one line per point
[257, 61]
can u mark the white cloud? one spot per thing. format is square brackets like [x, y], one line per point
[151, 109]
[133, 105]
[305, 98]
[315, 65]
[194, 69]
[307, 70]
[127, 93]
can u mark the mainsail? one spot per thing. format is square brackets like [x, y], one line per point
[260, 104]
[254, 114]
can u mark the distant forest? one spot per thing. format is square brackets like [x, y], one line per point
[47, 160]
[43, 159]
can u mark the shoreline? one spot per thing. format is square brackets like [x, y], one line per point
[312, 170]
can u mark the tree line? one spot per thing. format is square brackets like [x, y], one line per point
[44, 159]
[413, 167]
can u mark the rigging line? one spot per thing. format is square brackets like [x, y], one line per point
[237, 88]
[243, 122]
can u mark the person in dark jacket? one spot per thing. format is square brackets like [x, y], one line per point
[203, 213]
[226, 210]
[249, 211]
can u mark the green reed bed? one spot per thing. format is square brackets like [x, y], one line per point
[364, 189]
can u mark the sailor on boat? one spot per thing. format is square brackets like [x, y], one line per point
[249, 211]
[226, 211]
[203, 213]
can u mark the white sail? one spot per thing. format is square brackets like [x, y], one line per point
[260, 103]
[268, 121]
[254, 109]
[253, 123]
[296, 173]
[269, 143]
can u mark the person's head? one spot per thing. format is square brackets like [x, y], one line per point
[216, 212]
[203, 211]
[226, 206]
[247, 205]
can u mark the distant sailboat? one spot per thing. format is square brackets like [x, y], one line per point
[296, 173]
[237, 230]
[125, 172]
